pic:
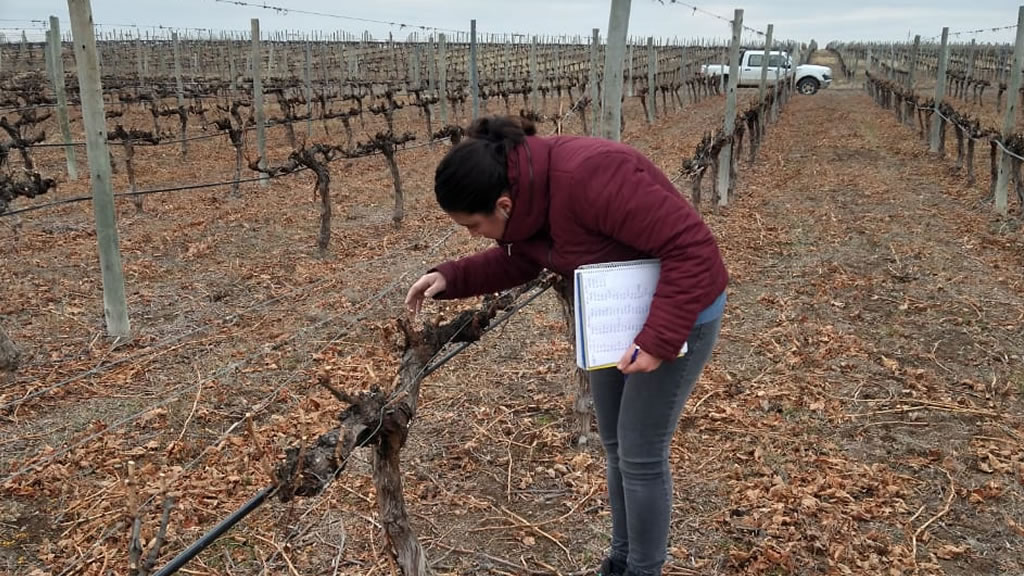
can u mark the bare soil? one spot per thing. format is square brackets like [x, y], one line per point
[862, 414]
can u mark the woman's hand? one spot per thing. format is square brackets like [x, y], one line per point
[636, 360]
[428, 286]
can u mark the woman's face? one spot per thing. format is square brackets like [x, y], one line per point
[490, 225]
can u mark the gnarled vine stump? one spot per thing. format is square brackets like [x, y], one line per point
[382, 419]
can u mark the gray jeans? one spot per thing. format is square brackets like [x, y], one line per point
[637, 419]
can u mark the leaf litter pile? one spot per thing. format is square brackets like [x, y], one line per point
[862, 414]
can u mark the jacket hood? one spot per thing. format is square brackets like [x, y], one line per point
[529, 181]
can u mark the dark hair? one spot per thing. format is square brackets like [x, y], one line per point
[474, 173]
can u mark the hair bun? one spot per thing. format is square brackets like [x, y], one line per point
[486, 129]
[511, 130]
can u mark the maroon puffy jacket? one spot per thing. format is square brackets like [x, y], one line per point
[578, 201]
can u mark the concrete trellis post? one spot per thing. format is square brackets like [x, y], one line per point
[431, 67]
[725, 156]
[914, 56]
[57, 69]
[342, 70]
[892, 60]
[257, 99]
[940, 90]
[115, 307]
[972, 55]
[414, 64]
[629, 72]
[684, 54]
[618, 28]
[442, 77]
[652, 63]
[307, 78]
[508, 65]
[232, 71]
[764, 61]
[595, 103]
[534, 74]
[48, 54]
[474, 75]
[1010, 116]
[179, 88]
[139, 66]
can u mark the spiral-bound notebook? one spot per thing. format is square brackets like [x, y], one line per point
[612, 303]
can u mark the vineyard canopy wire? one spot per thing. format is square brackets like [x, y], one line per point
[76, 199]
[284, 11]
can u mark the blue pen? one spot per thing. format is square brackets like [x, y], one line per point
[636, 351]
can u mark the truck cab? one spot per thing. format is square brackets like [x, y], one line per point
[779, 66]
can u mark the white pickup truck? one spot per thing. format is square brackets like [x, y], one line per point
[809, 77]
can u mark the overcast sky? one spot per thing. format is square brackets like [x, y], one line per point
[823, 20]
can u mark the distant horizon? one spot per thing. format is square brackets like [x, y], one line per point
[986, 21]
[163, 34]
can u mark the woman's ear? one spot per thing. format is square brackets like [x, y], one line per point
[504, 206]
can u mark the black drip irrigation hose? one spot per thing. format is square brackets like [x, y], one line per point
[208, 538]
[256, 501]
